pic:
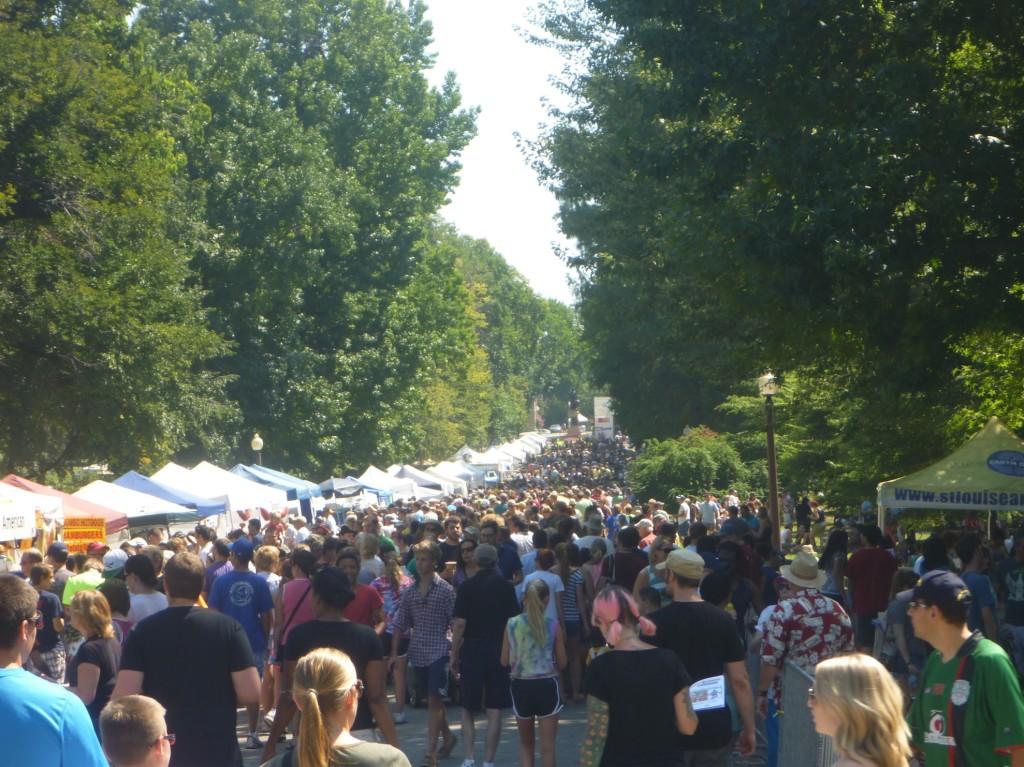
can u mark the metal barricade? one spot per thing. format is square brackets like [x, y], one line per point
[799, 744]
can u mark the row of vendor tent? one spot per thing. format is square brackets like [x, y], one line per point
[505, 457]
[468, 469]
[172, 496]
[176, 495]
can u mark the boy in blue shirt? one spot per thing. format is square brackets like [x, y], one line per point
[245, 596]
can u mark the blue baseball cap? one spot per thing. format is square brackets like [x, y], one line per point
[242, 548]
[939, 588]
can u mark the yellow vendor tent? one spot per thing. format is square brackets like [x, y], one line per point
[986, 474]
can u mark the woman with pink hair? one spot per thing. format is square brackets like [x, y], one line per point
[635, 687]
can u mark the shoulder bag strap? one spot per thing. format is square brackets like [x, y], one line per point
[287, 623]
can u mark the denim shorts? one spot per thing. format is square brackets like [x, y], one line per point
[433, 679]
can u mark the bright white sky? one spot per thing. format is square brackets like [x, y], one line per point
[499, 198]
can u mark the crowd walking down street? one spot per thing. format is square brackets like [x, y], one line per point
[609, 630]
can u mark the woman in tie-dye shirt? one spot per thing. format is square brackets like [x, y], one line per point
[390, 586]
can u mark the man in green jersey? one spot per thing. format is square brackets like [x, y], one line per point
[969, 711]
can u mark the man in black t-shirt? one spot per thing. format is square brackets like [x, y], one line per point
[452, 540]
[197, 664]
[482, 608]
[707, 642]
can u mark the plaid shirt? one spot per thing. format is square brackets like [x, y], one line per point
[430, 618]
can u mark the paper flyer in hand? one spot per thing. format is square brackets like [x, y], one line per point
[708, 693]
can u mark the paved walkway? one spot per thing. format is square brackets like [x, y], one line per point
[571, 727]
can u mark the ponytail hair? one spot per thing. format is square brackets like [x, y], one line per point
[616, 610]
[393, 568]
[322, 680]
[537, 594]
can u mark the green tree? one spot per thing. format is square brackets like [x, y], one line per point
[104, 345]
[816, 187]
[700, 461]
[533, 345]
[326, 157]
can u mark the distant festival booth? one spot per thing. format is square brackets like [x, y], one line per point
[985, 474]
[114, 521]
[23, 512]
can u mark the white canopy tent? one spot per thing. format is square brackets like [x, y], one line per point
[535, 438]
[515, 449]
[240, 495]
[131, 503]
[180, 478]
[453, 469]
[249, 494]
[459, 485]
[465, 454]
[399, 488]
[422, 478]
[51, 507]
[18, 510]
[457, 469]
[494, 459]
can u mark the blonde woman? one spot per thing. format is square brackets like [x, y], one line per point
[326, 690]
[371, 566]
[858, 704]
[93, 671]
[534, 648]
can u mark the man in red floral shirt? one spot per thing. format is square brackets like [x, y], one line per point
[806, 627]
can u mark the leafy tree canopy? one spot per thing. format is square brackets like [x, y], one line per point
[826, 189]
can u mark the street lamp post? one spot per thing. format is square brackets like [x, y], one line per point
[257, 447]
[769, 387]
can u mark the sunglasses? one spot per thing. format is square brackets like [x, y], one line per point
[811, 695]
[914, 604]
[357, 686]
[169, 737]
[36, 620]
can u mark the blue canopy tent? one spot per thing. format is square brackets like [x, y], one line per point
[205, 507]
[298, 489]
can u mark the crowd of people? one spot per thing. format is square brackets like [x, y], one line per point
[560, 589]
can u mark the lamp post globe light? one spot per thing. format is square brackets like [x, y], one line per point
[257, 447]
[768, 386]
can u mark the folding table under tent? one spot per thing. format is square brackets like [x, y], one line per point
[984, 474]
[115, 521]
[142, 510]
[204, 507]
